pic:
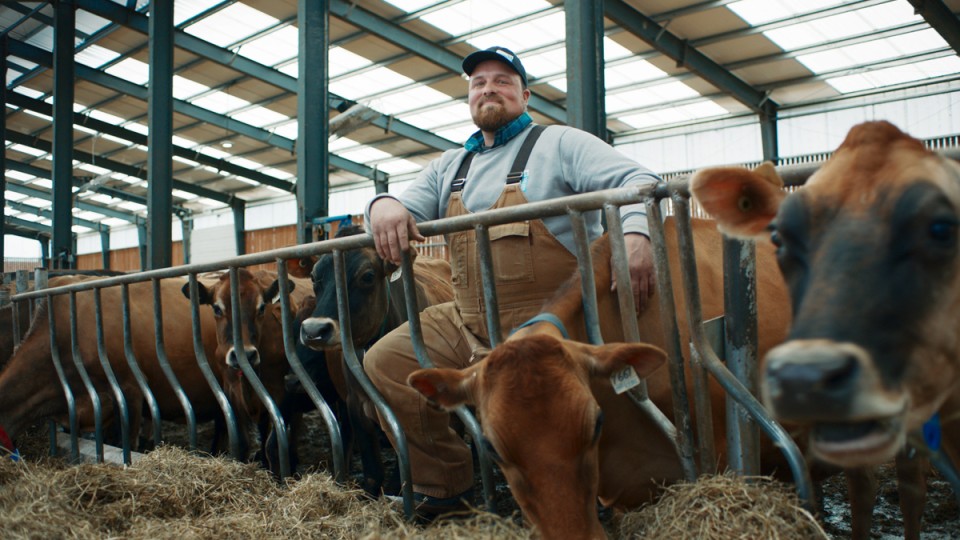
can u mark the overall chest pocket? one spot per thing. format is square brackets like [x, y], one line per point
[511, 247]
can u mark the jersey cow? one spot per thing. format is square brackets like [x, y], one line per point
[870, 250]
[30, 389]
[548, 410]
[377, 305]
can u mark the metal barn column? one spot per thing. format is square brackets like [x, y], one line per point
[313, 159]
[160, 137]
[105, 247]
[240, 225]
[64, 28]
[585, 87]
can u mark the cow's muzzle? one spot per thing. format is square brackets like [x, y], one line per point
[320, 333]
[250, 352]
[835, 389]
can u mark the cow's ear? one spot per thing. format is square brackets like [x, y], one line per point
[605, 360]
[743, 202]
[447, 388]
[203, 295]
[272, 293]
[301, 267]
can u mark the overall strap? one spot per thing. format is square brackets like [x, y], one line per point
[460, 178]
[520, 163]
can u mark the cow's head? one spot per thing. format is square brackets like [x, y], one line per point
[368, 286]
[541, 422]
[869, 249]
[255, 298]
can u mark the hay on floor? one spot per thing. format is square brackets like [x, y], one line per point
[172, 493]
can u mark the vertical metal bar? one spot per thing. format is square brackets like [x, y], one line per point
[671, 332]
[353, 364]
[229, 417]
[708, 358]
[585, 66]
[3, 137]
[64, 27]
[135, 368]
[164, 364]
[160, 136]
[20, 286]
[67, 392]
[105, 248]
[313, 160]
[40, 276]
[122, 409]
[289, 346]
[588, 285]
[740, 307]
[253, 379]
[142, 237]
[631, 331]
[420, 349]
[186, 225]
[490, 302]
[240, 225]
[85, 377]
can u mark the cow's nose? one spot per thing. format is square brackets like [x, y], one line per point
[811, 383]
[253, 357]
[317, 331]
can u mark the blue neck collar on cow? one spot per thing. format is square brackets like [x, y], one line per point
[547, 318]
[932, 435]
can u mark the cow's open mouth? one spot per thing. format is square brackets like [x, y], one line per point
[857, 443]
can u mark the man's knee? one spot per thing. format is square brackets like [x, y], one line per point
[384, 366]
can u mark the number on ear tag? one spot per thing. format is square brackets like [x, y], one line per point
[624, 380]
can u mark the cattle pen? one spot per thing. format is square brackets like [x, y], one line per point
[706, 351]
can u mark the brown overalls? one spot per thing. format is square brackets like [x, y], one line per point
[529, 264]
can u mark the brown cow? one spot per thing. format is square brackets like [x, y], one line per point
[30, 389]
[869, 250]
[539, 396]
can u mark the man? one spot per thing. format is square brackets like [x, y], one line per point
[500, 165]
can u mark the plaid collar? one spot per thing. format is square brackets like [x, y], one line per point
[504, 134]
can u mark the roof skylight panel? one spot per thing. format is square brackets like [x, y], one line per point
[231, 24]
[132, 206]
[526, 35]
[546, 63]
[43, 182]
[184, 88]
[411, 5]
[455, 112]
[342, 143]
[758, 12]
[260, 117]
[459, 133]
[17, 175]
[220, 102]
[87, 215]
[378, 79]
[36, 114]
[288, 130]
[471, 15]
[277, 173]
[183, 195]
[213, 152]
[101, 198]
[95, 56]
[642, 97]
[12, 196]
[184, 10]
[88, 23]
[410, 99]
[244, 162]
[93, 168]
[874, 51]
[896, 75]
[33, 201]
[274, 47]
[398, 166]
[364, 154]
[27, 150]
[131, 70]
[631, 72]
[113, 222]
[44, 39]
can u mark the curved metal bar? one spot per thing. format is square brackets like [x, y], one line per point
[164, 364]
[733, 387]
[588, 284]
[353, 364]
[85, 377]
[135, 368]
[682, 438]
[289, 347]
[122, 409]
[420, 349]
[490, 302]
[67, 392]
[254, 380]
[203, 363]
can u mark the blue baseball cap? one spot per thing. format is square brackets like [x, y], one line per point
[502, 54]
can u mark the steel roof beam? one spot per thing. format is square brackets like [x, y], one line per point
[39, 193]
[424, 48]
[116, 166]
[680, 50]
[27, 225]
[46, 214]
[939, 16]
[39, 56]
[121, 15]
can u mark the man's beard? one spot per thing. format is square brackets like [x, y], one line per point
[491, 119]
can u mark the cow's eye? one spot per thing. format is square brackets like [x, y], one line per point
[943, 231]
[368, 278]
[217, 311]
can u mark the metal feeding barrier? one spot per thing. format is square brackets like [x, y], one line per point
[744, 412]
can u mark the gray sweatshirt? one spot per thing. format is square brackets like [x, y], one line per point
[564, 161]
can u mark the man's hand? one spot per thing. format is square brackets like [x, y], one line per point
[642, 274]
[392, 228]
